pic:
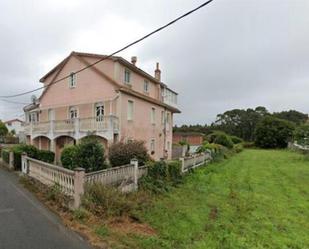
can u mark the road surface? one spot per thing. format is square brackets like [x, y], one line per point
[26, 224]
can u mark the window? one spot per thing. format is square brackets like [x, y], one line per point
[33, 117]
[130, 110]
[146, 86]
[99, 111]
[127, 76]
[153, 115]
[152, 146]
[73, 113]
[162, 117]
[167, 118]
[72, 80]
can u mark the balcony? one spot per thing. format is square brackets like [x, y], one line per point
[102, 124]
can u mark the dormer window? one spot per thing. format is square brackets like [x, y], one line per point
[127, 76]
[72, 80]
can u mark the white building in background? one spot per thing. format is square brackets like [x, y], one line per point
[16, 125]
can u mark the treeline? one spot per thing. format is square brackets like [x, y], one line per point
[243, 123]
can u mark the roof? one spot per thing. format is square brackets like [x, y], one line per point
[14, 120]
[119, 87]
[31, 107]
[114, 58]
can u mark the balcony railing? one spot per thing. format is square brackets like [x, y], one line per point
[94, 124]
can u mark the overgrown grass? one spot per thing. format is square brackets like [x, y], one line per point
[257, 199]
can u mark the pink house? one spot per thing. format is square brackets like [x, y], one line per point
[113, 100]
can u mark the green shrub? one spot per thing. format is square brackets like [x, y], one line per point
[174, 171]
[121, 153]
[46, 156]
[105, 201]
[161, 175]
[224, 140]
[272, 132]
[90, 155]
[236, 140]
[301, 135]
[5, 154]
[238, 148]
[68, 157]
[18, 150]
[220, 137]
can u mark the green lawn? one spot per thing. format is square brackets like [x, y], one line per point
[256, 199]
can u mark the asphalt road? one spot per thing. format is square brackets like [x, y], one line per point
[26, 224]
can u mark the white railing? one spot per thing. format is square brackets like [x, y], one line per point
[195, 161]
[41, 127]
[64, 125]
[99, 124]
[50, 175]
[111, 176]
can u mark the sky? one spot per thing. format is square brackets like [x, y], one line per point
[230, 54]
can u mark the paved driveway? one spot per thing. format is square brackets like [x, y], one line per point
[26, 224]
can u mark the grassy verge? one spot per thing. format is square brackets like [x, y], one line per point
[256, 199]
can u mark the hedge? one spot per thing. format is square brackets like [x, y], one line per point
[5, 154]
[33, 152]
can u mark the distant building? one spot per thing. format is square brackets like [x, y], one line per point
[16, 125]
[192, 138]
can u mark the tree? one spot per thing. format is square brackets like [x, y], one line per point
[121, 153]
[293, 116]
[272, 132]
[240, 122]
[3, 129]
[301, 135]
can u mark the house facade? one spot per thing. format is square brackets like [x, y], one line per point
[16, 125]
[113, 100]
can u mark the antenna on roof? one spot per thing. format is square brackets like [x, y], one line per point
[33, 99]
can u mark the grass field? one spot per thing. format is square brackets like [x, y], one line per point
[256, 199]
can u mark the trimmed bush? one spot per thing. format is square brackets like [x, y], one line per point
[68, 156]
[272, 132]
[46, 156]
[21, 148]
[5, 154]
[89, 154]
[121, 153]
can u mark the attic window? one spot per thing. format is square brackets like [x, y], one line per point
[72, 80]
[127, 76]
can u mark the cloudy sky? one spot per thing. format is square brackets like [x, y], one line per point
[231, 54]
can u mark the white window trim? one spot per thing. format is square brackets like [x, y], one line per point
[72, 80]
[146, 89]
[125, 73]
[69, 113]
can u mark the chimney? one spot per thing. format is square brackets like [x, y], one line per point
[158, 72]
[133, 60]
